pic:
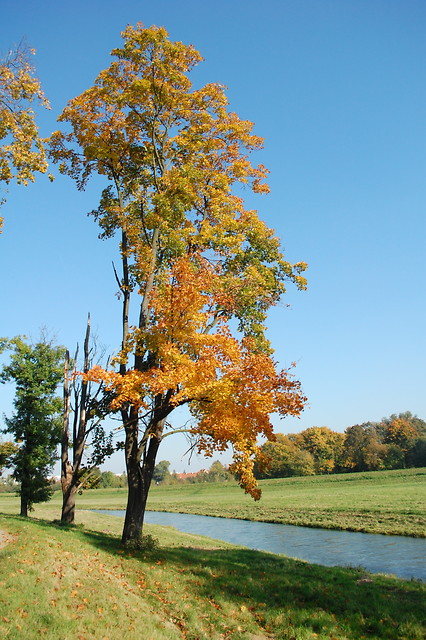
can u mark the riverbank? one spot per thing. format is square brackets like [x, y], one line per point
[386, 502]
[78, 583]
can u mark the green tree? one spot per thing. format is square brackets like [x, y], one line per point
[36, 370]
[161, 471]
[109, 479]
[217, 473]
[417, 455]
[285, 459]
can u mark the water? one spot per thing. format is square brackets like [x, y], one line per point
[397, 555]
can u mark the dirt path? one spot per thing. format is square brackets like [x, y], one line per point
[5, 538]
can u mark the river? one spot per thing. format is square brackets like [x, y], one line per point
[401, 556]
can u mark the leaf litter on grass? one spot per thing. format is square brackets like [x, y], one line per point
[190, 588]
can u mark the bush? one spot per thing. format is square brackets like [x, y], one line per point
[143, 543]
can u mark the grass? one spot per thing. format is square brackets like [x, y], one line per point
[77, 583]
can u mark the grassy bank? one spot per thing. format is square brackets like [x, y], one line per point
[387, 502]
[78, 584]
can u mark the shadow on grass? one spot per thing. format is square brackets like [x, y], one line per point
[102, 540]
[274, 584]
[283, 593]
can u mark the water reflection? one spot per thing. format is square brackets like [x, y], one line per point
[398, 555]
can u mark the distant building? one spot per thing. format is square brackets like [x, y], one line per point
[184, 476]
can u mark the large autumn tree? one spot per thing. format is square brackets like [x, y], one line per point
[201, 268]
[22, 150]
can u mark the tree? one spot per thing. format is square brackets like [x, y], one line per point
[7, 450]
[36, 370]
[218, 473]
[402, 435]
[110, 479]
[362, 449]
[417, 455]
[161, 471]
[408, 418]
[284, 459]
[22, 152]
[88, 410]
[197, 261]
[325, 446]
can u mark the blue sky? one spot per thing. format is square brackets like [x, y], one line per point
[337, 88]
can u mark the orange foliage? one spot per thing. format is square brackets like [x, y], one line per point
[204, 269]
[230, 386]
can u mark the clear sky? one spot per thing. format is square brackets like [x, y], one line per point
[338, 90]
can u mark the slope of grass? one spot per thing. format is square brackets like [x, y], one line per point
[77, 583]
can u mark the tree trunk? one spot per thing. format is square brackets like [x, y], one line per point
[69, 491]
[66, 468]
[139, 477]
[25, 493]
[24, 507]
[70, 472]
[136, 503]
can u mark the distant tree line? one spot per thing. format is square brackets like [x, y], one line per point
[216, 473]
[107, 479]
[397, 442]
[97, 480]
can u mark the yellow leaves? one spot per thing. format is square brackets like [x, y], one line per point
[400, 432]
[23, 154]
[259, 187]
[243, 469]
[197, 259]
[136, 104]
[128, 388]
